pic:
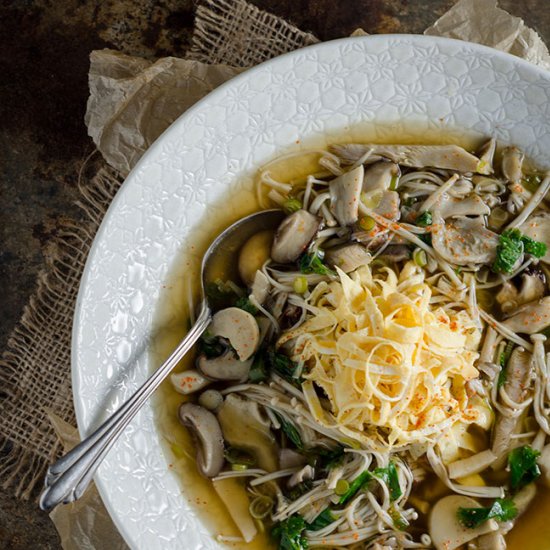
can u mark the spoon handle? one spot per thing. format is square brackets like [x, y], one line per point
[68, 478]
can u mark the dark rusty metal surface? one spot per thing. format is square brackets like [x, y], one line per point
[44, 48]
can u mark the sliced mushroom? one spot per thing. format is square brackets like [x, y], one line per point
[512, 163]
[486, 153]
[225, 367]
[451, 207]
[491, 541]
[260, 287]
[544, 464]
[293, 236]
[530, 318]
[206, 432]
[388, 207]
[517, 387]
[348, 257]
[538, 228]
[379, 176]
[447, 157]
[345, 193]
[188, 381]
[239, 327]
[244, 427]
[253, 255]
[464, 241]
[471, 465]
[532, 288]
[523, 499]
[306, 473]
[445, 530]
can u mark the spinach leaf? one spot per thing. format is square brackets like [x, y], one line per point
[424, 219]
[289, 533]
[312, 263]
[503, 509]
[291, 432]
[322, 520]
[523, 467]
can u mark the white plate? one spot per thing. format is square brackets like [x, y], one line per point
[343, 88]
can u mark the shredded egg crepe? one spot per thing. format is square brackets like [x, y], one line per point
[393, 364]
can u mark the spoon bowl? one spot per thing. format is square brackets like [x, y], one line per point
[68, 478]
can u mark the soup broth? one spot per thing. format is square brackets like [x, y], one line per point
[173, 319]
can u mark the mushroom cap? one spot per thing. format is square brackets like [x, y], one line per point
[445, 530]
[225, 367]
[512, 164]
[239, 327]
[348, 257]
[464, 241]
[448, 157]
[538, 228]
[345, 193]
[188, 381]
[530, 318]
[293, 236]
[205, 430]
[378, 176]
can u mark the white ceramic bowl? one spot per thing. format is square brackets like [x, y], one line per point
[380, 87]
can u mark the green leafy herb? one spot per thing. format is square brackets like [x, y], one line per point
[523, 467]
[289, 533]
[322, 520]
[312, 263]
[509, 250]
[535, 248]
[503, 509]
[291, 432]
[391, 479]
[222, 294]
[210, 345]
[283, 366]
[355, 486]
[292, 205]
[511, 245]
[246, 304]
[258, 370]
[424, 219]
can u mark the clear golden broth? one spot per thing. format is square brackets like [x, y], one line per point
[533, 529]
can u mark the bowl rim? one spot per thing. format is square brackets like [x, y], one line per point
[84, 428]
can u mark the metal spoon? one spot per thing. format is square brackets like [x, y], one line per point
[68, 478]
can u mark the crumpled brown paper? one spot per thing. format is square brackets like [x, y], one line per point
[132, 101]
[482, 21]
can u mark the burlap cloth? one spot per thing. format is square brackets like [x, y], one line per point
[35, 378]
